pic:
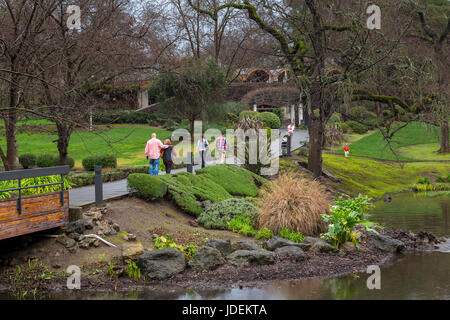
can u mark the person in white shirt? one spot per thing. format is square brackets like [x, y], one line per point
[202, 147]
[291, 129]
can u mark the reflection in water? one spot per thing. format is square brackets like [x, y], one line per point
[415, 213]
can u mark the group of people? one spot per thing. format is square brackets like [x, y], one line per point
[156, 150]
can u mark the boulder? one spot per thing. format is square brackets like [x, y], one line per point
[223, 245]
[385, 243]
[162, 264]
[75, 226]
[348, 247]
[294, 253]
[277, 242]
[244, 245]
[323, 247]
[66, 241]
[251, 257]
[207, 258]
[132, 251]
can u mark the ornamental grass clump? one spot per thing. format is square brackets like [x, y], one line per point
[295, 202]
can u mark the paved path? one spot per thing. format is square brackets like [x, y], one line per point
[86, 195]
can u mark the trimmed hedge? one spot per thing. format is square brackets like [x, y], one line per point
[69, 161]
[148, 187]
[270, 119]
[106, 161]
[45, 161]
[236, 180]
[357, 127]
[27, 160]
[217, 215]
[86, 179]
[187, 190]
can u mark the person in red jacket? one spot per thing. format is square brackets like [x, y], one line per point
[346, 151]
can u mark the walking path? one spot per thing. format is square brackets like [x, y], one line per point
[86, 195]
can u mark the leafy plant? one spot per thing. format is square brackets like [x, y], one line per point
[133, 270]
[344, 215]
[4, 185]
[217, 215]
[291, 235]
[265, 234]
[242, 225]
[168, 242]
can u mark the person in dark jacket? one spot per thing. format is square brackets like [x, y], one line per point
[167, 156]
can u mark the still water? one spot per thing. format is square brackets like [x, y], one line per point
[423, 275]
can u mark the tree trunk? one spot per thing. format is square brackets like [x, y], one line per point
[12, 160]
[316, 134]
[444, 138]
[64, 132]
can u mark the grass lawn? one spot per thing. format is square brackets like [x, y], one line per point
[375, 178]
[424, 152]
[126, 142]
[374, 145]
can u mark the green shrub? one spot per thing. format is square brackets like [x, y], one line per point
[279, 112]
[265, 234]
[242, 225]
[270, 119]
[187, 190]
[217, 215]
[361, 113]
[303, 151]
[344, 215]
[27, 160]
[291, 235]
[236, 180]
[69, 161]
[148, 187]
[425, 180]
[248, 114]
[335, 118]
[357, 127]
[120, 117]
[105, 161]
[344, 127]
[45, 161]
[34, 182]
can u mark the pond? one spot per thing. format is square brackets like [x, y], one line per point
[424, 275]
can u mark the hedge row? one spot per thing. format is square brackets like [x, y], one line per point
[270, 119]
[86, 179]
[148, 187]
[30, 160]
[236, 180]
[133, 117]
[106, 161]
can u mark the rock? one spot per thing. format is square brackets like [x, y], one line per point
[75, 213]
[292, 252]
[116, 227]
[323, 247]
[348, 247]
[75, 236]
[66, 241]
[154, 236]
[131, 237]
[125, 237]
[85, 243]
[244, 245]
[251, 257]
[385, 243]
[207, 258]
[193, 223]
[75, 226]
[162, 264]
[223, 245]
[88, 223]
[132, 251]
[96, 243]
[277, 242]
